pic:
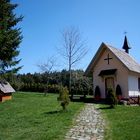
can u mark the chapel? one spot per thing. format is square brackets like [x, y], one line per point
[112, 67]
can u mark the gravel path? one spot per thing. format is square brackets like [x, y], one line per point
[89, 125]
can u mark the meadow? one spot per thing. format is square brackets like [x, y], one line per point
[31, 116]
[122, 123]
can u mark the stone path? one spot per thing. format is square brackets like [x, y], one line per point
[89, 125]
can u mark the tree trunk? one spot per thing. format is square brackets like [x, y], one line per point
[70, 81]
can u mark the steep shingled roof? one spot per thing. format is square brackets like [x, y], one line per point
[128, 61]
[5, 87]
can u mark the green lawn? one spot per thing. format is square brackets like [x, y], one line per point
[123, 123]
[35, 117]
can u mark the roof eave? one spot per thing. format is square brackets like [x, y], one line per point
[92, 63]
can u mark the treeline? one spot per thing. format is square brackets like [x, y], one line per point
[50, 82]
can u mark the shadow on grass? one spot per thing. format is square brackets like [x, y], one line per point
[85, 100]
[104, 108]
[53, 112]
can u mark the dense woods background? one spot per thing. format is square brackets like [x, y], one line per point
[50, 82]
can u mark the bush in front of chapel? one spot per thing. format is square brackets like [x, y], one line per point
[111, 98]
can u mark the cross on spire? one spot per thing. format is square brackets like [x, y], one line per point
[125, 33]
[108, 58]
[125, 44]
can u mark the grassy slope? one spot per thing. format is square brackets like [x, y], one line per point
[32, 116]
[123, 123]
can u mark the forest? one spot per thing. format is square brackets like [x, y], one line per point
[50, 82]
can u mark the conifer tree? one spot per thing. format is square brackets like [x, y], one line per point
[10, 37]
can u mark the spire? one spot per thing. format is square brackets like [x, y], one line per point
[125, 45]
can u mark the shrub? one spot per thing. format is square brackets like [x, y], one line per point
[97, 92]
[118, 92]
[111, 98]
[63, 97]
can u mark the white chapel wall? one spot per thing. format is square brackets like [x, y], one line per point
[121, 75]
[133, 85]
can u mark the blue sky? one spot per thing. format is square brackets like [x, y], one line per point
[98, 21]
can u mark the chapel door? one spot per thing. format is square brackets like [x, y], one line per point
[109, 83]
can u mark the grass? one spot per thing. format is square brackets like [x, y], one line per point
[34, 117]
[123, 123]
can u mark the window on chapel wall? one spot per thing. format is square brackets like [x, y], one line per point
[139, 84]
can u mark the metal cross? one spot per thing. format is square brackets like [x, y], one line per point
[108, 58]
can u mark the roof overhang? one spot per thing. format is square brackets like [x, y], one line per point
[107, 72]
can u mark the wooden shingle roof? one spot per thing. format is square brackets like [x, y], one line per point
[128, 61]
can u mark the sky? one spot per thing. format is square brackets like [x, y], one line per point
[97, 20]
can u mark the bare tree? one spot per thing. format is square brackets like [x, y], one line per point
[73, 49]
[47, 68]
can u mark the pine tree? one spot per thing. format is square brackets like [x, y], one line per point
[10, 37]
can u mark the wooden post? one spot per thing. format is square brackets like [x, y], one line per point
[138, 99]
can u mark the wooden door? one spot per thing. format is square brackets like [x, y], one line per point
[109, 83]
